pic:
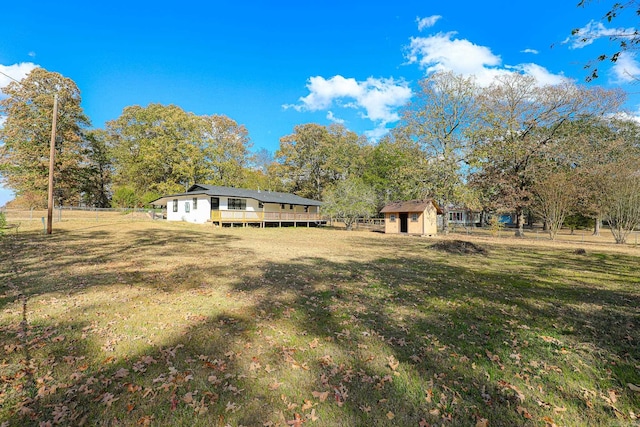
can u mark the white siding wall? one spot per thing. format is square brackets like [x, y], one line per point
[200, 215]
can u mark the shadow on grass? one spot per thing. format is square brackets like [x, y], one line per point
[389, 341]
[69, 262]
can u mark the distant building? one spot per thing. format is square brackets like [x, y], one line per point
[411, 217]
[238, 206]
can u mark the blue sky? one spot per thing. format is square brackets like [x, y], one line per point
[273, 65]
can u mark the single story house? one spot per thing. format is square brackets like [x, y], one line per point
[412, 217]
[461, 216]
[239, 206]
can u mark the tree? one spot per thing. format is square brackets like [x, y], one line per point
[124, 196]
[554, 197]
[521, 124]
[224, 146]
[315, 156]
[623, 207]
[395, 169]
[350, 199]
[164, 149]
[148, 145]
[626, 39]
[595, 148]
[440, 119]
[26, 134]
[96, 182]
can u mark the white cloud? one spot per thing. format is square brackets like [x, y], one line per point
[626, 69]
[427, 22]
[591, 32]
[541, 74]
[376, 99]
[333, 118]
[531, 51]
[16, 71]
[32, 54]
[444, 52]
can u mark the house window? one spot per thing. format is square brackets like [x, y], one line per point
[237, 204]
[187, 207]
[215, 203]
[281, 205]
[290, 206]
[306, 209]
[175, 205]
[392, 218]
[195, 203]
[260, 205]
[414, 217]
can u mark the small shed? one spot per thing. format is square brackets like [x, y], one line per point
[412, 217]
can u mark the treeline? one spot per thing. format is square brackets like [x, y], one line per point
[516, 146]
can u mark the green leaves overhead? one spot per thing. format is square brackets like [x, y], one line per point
[165, 149]
[26, 134]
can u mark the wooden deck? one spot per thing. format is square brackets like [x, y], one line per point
[263, 219]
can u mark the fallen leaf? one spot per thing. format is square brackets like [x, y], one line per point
[390, 415]
[322, 396]
[296, 422]
[312, 416]
[523, 411]
[482, 422]
[274, 385]
[633, 387]
[393, 362]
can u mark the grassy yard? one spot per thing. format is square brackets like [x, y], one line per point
[151, 323]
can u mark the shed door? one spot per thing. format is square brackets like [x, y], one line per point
[404, 222]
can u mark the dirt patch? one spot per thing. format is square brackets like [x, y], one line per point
[459, 247]
[580, 251]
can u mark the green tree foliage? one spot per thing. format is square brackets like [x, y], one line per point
[440, 119]
[97, 171]
[124, 196]
[521, 126]
[395, 168]
[164, 149]
[26, 134]
[315, 156]
[350, 199]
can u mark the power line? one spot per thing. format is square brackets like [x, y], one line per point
[7, 75]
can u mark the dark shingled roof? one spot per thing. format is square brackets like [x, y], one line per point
[261, 196]
[410, 206]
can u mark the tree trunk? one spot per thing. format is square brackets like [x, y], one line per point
[596, 227]
[519, 222]
[445, 218]
[545, 225]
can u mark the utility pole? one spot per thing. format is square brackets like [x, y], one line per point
[52, 153]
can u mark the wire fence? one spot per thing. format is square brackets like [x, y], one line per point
[71, 213]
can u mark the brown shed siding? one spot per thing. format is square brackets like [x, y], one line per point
[425, 212]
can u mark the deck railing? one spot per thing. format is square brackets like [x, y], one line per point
[250, 216]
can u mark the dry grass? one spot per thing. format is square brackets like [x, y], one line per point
[151, 323]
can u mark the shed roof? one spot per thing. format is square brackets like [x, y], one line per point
[410, 206]
[261, 196]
